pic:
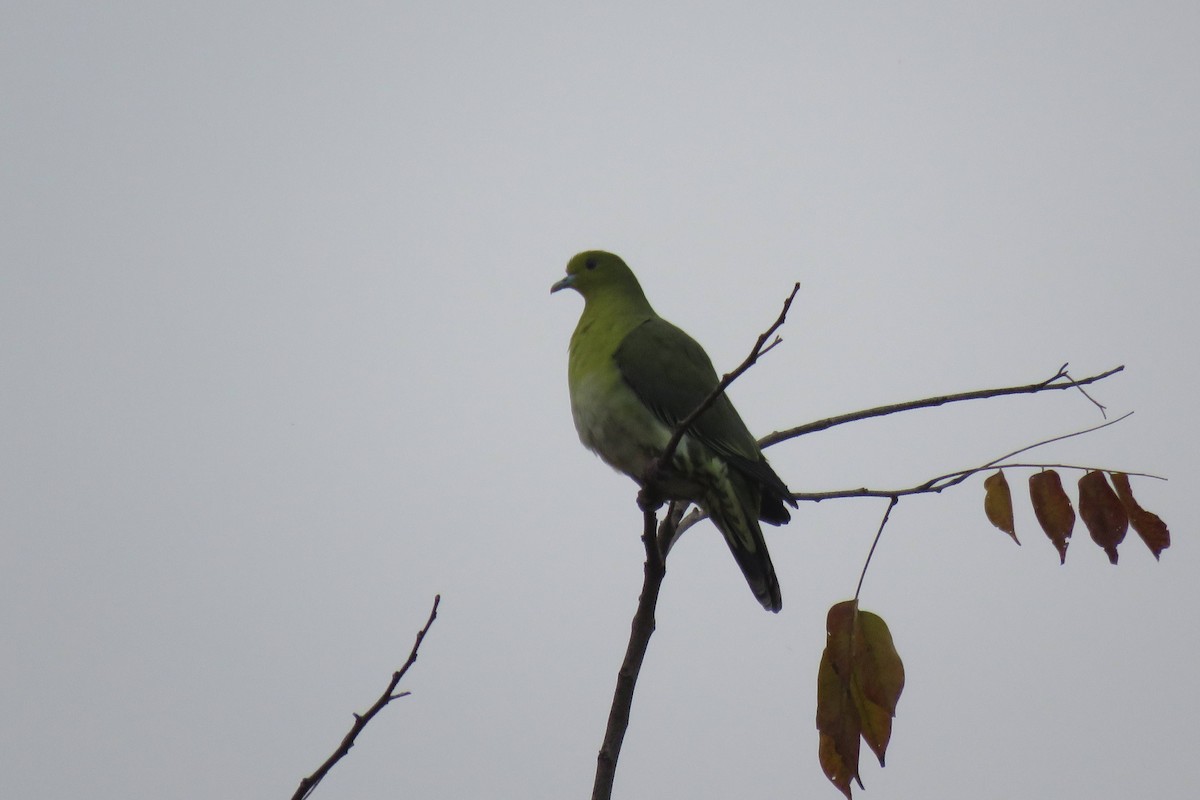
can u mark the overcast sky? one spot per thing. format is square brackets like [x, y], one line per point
[279, 363]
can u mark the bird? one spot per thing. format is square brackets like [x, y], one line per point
[633, 377]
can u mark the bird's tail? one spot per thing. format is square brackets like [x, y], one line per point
[733, 506]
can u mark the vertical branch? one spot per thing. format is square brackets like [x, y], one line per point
[657, 543]
[641, 629]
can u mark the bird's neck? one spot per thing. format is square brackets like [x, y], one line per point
[608, 316]
[619, 309]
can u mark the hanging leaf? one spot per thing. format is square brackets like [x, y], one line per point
[1147, 524]
[1102, 513]
[880, 673]
[838, 727]
[997, 503]
[859, 682]
[1053, 509]
[838, 723]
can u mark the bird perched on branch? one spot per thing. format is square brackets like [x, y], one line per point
[634, 377]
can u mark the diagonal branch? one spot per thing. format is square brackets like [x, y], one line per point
[360, 720]
[1060, 380]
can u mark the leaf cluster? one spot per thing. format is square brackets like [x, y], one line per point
[1107, 513]
[859, 683]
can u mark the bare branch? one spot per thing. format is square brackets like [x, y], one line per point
[1103, 408]
[641, 629]
[941, 482]
[1060, 380]
[307, 785]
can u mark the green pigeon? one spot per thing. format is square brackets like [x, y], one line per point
[633, 378]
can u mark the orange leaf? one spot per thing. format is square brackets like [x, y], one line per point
[1147, 524]
[1053, 509]
[997, 503]
[1102, 513]
[858, 685]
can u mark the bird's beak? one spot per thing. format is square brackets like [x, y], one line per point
[565, 283]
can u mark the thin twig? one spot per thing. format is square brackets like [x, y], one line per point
[1103, 408]
[1051, 440]
[929, 402]
[926, 488]
[360, 720]
[882, 523]
[941, 482]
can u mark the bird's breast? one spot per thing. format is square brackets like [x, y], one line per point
[613, 422]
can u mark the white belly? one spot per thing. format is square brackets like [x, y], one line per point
[613, 423]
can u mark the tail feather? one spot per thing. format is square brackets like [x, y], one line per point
[734, 510]
[773, 492]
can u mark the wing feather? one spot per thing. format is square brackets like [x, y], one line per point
[672, 375]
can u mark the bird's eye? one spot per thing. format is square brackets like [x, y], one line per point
[590, 263]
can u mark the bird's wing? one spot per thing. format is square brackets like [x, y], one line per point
[672, 375]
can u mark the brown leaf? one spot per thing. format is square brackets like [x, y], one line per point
[876, 722]
[880, 673]
[859, 682]
[837, 718]
[1102, 513]
[997, 503]
[1147, 524]
[838, 727]
[1053, 509]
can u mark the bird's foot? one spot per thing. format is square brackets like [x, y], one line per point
[649, 500]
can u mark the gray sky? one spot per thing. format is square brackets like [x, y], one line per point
[279, 364]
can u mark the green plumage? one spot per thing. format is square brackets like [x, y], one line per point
[633, 378]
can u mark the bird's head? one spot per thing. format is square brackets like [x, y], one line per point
[595, 271]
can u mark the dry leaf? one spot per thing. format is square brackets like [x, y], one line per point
[997, 503]
[859, 682]
[1147, 524]
[1102, 513]
[1053, 509]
